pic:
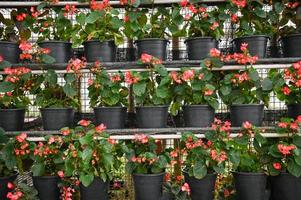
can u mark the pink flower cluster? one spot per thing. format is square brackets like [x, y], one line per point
[130, 78]
[14, 74]
[76, 64]
[141, 138]
[293, 76]
[291, 126]
[285, 150]
[99, 6]
[218, 156]
[149, 59]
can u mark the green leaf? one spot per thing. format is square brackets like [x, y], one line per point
[47, 59]
[297, 140]
[225, 90]
[139, 88]
[293, 168]
[6, 87]
[87, 179]
[199, 170]
[254, 75]
[87, 139]
[87, 154]
[81, 18]
[70, 90]
[267, 84]
[69, 78]
[38, 169]
[260, 12]
[93, 17]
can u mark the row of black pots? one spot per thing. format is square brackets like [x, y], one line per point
[197, 48]
[146, 117]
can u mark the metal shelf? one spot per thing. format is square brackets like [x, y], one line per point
[16, 4]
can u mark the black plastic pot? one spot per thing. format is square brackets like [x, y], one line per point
[112, 117]
[285, 187]
[102, 51]
[148, 186]
[198, 115]
[3, 185]
[61, 51]
[293, 110]
[291, 45]
[130, 54]
[257, 44]
[98, 190]
[153, 46]
[47, 187]
[250, 186]
[12, 119]
[198, 48]
[201, 189]
[10, 51]
[57, 118]
[253, 113]
[151, 116]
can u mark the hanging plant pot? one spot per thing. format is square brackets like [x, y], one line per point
[152, 116]
[201, 189]
[198, 48]
[57, 118]
[148, 186]
[10, 51]
[61, 51]
[47, 187]
[12, 119]
[250, 186]
[198, 115]
[153, 46]
[257, 45]
[293, 110]
[291, 45]
[285, 187]
[97, 190]
[103, 51]
[253, 113]
[112, 117]
[3, 185]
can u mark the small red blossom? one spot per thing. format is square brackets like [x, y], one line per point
[146, 58]
[61, 174]
[286, 91]
[100, 128]
[277, 166]
[247, 125]
[285, 150]
[130, 78]
[215, 52]
[184, 3]
[141, 138]
[185, 188]
[188, 75]
[65, 131]
[25, 46]
[21, 138]
[10, 185]
[84, 123]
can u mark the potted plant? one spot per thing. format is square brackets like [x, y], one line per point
[247, 153]
[244, 91]
[56, 101]
[47, 166]
[151, 90]
[7, 172]
[205, 158]
[204, 28]
[252, 26]
[284, 166]
[287, 85]
[197, 90]
[15, 83]
[11, 32]
[175, 188]
[290, 31]
[147, 165]
[99, 31]
[108, 97]
[53, 28]
[148, 30]
[92, 157]
[21, 191]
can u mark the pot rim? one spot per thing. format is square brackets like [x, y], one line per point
[197, 38]
[54, 41]
[56, 108]
[155, 106]
[197, 105]
[251, 36]
[8, 42]
[95, 40]
[292, 35]
[46, 177]
[250, 173]
[7, 177]
[247, 105]
[208, 174]
[151, 39]
[109, 107]
[148, 175]
[294, 104]
[11, 109]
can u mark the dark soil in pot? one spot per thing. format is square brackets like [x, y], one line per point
[257, 45]
[3, 185]
[198, 48]
[61, 51]
[285, 187]
[198, 115]
[57, 118]
[253, 113]
[293, 110]
[201, 189]
[47, 187]
[153, 46]
[250, 186]
[10, 51]
[12, 119]
[112, 117]
[98, 190]
[103, 51]
[151, 116]
[148, 186]
[291, 45]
